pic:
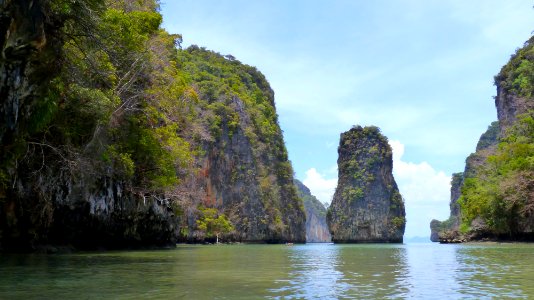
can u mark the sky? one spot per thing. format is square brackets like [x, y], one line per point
[420, 70]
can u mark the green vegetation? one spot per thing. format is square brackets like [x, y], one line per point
[489, 137]
[396, 199]
[126, 109]
[235, 110]
[498, 186]
[219, 79]
[445, 225]
[352, 194]
[212, 223]
[502, 192]
[517, 76]
[457, 177]
[398, 222]
[116, 99]
[370, 150]
[370, 132]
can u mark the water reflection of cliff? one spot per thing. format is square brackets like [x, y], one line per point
[319, 271]
[373, 271]
[312, 273]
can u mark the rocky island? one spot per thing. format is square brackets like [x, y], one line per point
[493, 199]
[367, 206]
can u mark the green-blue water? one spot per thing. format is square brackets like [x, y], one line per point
[313, 271]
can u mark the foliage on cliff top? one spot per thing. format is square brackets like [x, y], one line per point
[517, 76]
[235, 96]
[361, 150]
[364, 134]
[218, 79]
[457, 178]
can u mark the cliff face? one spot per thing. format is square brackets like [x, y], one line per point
[243, 169]
[451, 225]
[114, 138]
[24, 50]
[448, 230]
[456, 185]
[515, 86]
[510, 103]
[435, 228]
[495, 198]
[316, 227]
[367, 205]
[83, 212]
[55, 189]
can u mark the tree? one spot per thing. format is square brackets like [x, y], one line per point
[212, 223]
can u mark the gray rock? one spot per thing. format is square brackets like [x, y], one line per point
[367, 205]
[316, 227]
[435, 227]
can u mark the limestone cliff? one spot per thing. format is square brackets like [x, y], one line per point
[367, 205]
[113, 137]
[316, 227]
[448, 230]
[26, 42]
[435, 228]
[456, 185]
[243, 168]
[54, 187]
[494, 197]
[450, 226]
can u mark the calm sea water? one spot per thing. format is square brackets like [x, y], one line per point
[313, 271]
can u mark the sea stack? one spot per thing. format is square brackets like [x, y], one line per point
[367, 206]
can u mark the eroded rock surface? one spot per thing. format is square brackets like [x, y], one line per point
[367, 205]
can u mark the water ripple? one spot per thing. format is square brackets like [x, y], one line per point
[313, 271]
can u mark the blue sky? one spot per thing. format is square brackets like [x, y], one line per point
[422, 71]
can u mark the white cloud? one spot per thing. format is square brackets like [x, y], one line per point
[426, 192]
[321, 187]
